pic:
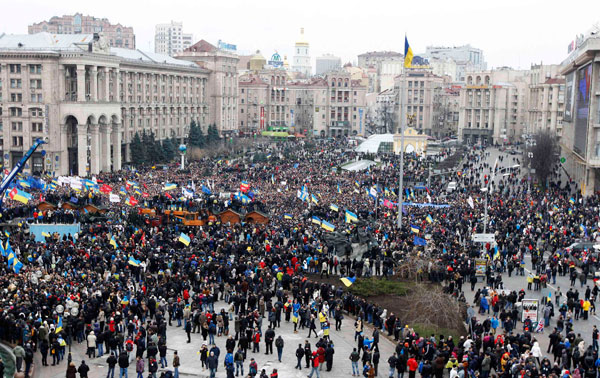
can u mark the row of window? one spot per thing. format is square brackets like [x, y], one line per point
[17, 126]
[18, 97]
[34, 69]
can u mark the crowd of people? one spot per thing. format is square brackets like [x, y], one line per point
[128, 282]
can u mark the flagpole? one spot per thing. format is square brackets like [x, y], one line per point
[402, 119]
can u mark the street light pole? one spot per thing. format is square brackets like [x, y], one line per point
[401, 176]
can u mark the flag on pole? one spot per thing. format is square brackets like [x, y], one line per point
[328, 226]
[415, 229]
[470, 202]
[288, 216]
[19, 195]
[113, 242]
[429, 219]
[419, 241]
[339, 190]
[314, 199]
[184, 239]
[59, 325]
[133, 262]
[408, 54]
[244, 186]
[351, 217]
[334, 207]
[316, 220]
[169, 186]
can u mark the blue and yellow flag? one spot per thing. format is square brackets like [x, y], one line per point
[328, 226]
[348, 281]
[59, 325]
[315, 220]
[334, 207]
[415, 229]
[408, 54]
[133, 262]
[429, 219]
[113, 242]
[288, 216]
[351, 217]
[184, 239]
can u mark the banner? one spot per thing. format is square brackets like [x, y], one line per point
[530, 310]
[114, 198]
[434, 205]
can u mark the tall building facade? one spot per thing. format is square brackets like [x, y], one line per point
[170, 39]
[580, 134]
[222, 83]
[89, 100]
[494, 106]
[319, 107]
[384, 65]
[117, 35]
[301, 60]
[421, 97]
[327, 63]
[546, 99]
[467, 58]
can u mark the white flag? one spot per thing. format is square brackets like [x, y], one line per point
[114, 198]
[470, 202]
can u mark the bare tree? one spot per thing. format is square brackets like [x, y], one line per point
[387, 117]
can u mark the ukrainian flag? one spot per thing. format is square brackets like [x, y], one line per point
[351, 217]
[571, 200]
[169, 186]
[415, 229]
[339, 190]
[408, 54]
[357, 184]
[113, 242]
[45, 234]
[496, 253]
[348, 281]
[288, 216]
[328, 226]
[19, 195]
[133, 262]
[184, 239]
[316, 220]
[17, 266]
[314, 199]
[122, 191]
[429, 219]
[334, 207]
[59, 325]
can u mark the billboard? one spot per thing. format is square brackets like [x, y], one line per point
[569, 96]
[584, 84]
[530, 310]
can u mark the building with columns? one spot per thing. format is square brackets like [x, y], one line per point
[89, 100]
[546, 99]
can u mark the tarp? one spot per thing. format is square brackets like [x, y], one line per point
[61, 229]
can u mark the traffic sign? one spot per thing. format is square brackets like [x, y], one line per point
[484, 238]
[562, 160]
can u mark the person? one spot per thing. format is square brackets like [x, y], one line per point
[91, 345]
[152, 367]
[307, 353]
[123, 365]
[19, 353]
[368, 370]
[314, 365]
[112, 362]
[176, 365]
[212, 363]
[376, 357]
[412, 366]
[279, 346]
[28, 359]
[162, 352]
[256, 341]
[188, 331]
[269, 337]
[252, 368]
[83, 369]
[139, 367]
[238, 359]
[354, 357]
[329, 352]
[1, 368]
[299, 355]
[71, 370]
[393, 361]
[274, 374]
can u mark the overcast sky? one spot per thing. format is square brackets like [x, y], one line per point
[511, 32]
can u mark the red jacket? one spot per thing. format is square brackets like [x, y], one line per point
[321, 354]
[412, 364]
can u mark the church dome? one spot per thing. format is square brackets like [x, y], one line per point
[301, 41]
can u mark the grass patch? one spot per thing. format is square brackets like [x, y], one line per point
[426, 330]
[367, 287]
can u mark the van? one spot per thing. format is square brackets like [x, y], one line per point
[451, 186]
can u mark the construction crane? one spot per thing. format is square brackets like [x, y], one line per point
[19, 166]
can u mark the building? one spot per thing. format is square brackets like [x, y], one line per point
[169, 39]
[467, 58]
[117, 35]
[494, 106]
[420, 99]
[89, 100]
[446, 112]
[301, 61]
[384, 117]
[222, 83]
[386, 65]
[327, 63]
[546, 99]
[444, 67]
[318, 107]
[580, 137]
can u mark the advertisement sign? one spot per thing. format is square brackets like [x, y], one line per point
[530, 310]
[262, 117]
[46, 119]
[584, 84]
[360, 117]
[292, 122]
[276, 60]
[569, 96]
[226, 46]
[480, 266]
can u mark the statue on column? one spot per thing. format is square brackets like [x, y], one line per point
[101, 44]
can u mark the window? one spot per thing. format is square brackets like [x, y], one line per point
[37, 127]
[36, 97]
[17, 126]
[17, 141]
[15, 83]
[16, 97]
[35, 84]
[16, 112]
[14, 68]
[35, 69]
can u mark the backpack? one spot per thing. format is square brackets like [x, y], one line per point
[253, 367]
[279, 343]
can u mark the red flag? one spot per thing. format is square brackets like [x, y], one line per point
[168, 195]
[145, 186]
[105, 189]
[145, 195]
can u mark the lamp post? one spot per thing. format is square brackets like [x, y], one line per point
[182, 151]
